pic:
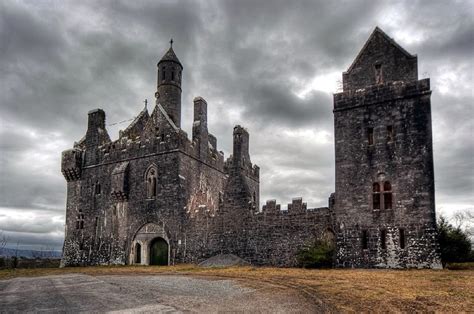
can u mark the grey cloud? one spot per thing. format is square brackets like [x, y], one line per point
[271, 104]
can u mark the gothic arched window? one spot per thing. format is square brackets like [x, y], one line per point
[376, 196]
[387, 195]
[151, 185]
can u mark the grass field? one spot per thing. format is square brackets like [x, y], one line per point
[338, 289]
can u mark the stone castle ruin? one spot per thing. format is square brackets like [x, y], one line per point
[156, 196]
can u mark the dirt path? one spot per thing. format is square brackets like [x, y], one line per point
[150, 293]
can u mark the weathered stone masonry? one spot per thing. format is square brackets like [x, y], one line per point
[155, 196]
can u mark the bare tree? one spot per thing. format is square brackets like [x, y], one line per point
[3, 240]
[464, 219]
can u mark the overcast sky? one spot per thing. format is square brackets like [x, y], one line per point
[271, 66]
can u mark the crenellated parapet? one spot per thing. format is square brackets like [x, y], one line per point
[271, 207]
[296, 207]
[71, 164]
[381, 93]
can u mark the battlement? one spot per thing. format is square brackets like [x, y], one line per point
[297, 206]
[380, 93]
[71, 164]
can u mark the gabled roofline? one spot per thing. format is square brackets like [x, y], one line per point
[390, 40]
[137, 118]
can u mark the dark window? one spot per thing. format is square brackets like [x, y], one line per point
[97, 188]
[365, 239]
[163, 74]
[153, 187]
[378, 74]
[402, 238]
[80, 220]
[387, 195]
[389, 133]
[370, 136]
[383, 239]
[376, 196]
[172, 75]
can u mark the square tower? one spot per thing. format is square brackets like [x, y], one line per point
[384, 200]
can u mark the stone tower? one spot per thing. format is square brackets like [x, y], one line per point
[384, 200]
[168, 92]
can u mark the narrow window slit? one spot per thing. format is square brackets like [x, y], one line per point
[370, 136]
[365, 239]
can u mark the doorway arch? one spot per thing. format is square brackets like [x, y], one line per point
[138, 253]
[159, 251]
[151, 245]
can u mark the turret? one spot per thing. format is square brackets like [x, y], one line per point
[96, 133]
[241, 145]
[168, 92]
[200, 132]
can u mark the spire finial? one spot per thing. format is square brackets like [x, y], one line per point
[146, 102]
[171, 43]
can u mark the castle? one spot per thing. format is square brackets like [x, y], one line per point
[157, 197]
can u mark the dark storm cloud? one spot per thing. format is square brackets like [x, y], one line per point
[255, 62]
[278, 105]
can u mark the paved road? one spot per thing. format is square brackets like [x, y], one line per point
[142, 294]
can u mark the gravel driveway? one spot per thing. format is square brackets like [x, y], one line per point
[142, 294]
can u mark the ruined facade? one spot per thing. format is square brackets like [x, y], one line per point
[156, 196]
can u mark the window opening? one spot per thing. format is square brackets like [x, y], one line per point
[383, 239]
[80, 220]
[387, 195]
[389, 133]
[376, 196]
[378, 74]
[402, 238]
[97, 189]
[370, 136]
[365, 240]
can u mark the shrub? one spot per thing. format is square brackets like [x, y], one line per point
[454, 243]
[318, 255]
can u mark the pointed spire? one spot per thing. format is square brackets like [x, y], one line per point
[170, 55]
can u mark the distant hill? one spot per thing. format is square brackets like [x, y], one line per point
[5, 252]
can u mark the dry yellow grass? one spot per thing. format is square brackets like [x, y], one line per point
[339, 289]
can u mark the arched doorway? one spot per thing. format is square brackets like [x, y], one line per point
[138, 253]
[154, 245]
[158, 252]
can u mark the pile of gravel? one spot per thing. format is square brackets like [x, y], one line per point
[224, 260]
